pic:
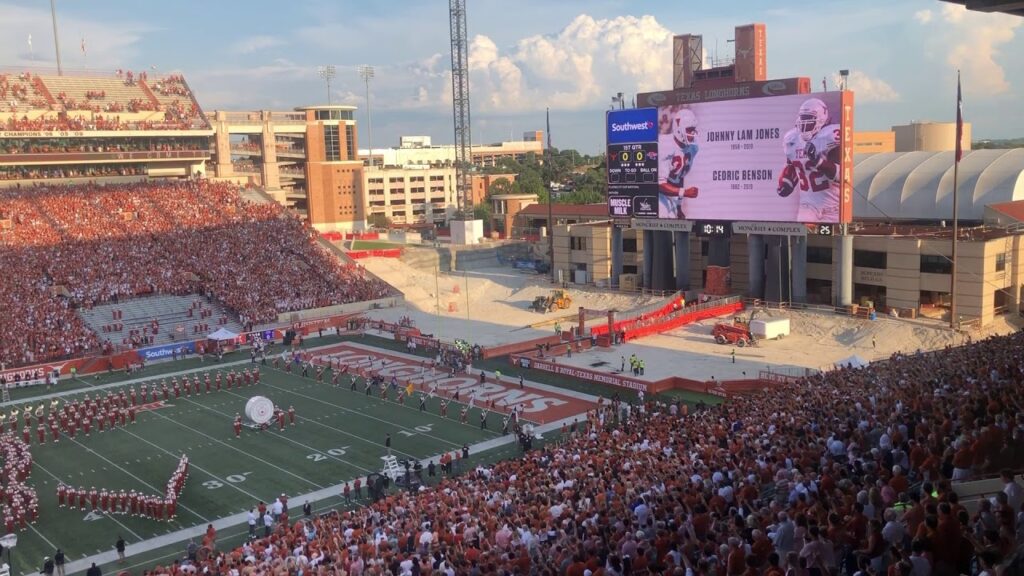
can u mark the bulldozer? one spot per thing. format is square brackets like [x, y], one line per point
[737, 333]
[556, 300]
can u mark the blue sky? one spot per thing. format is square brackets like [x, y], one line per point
[569, 55]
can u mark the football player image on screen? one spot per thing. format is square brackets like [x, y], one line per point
[677, 150]
[812, 164]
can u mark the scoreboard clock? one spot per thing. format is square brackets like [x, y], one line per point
[712, 229]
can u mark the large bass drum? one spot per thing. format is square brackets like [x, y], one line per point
[259, 409]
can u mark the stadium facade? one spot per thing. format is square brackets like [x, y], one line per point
[892, 255]
[306, 158]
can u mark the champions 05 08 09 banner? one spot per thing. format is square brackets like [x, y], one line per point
[778, 159]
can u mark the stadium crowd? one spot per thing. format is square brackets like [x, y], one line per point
[14, 92]
[848, 472]
[172, 85]
[77, 246]
[92, 145]
[58, 172]
[176, 117]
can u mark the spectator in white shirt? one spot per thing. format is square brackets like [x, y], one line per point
[1014, 492]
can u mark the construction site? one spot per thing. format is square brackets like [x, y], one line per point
[487, 302]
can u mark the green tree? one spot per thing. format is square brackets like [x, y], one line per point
[379, 221]
[579, 196]
[482, 211]
[583, 176]
[501, 186]
[530, 182]
[997, 144]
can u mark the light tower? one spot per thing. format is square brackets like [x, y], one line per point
[460, 106]
[366, 73]
[327, 73]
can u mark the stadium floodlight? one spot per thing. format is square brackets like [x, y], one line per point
[367, 73]
[327, 73]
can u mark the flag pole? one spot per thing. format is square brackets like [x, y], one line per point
[953, 323]
[551, 217]
[56, 40]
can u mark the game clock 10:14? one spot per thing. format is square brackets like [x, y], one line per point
[633, 180]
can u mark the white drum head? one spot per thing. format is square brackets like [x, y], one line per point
[259, 409]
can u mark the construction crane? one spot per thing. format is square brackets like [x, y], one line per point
[460, 106]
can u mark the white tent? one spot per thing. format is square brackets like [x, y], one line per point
[222, 334]
[854, 361]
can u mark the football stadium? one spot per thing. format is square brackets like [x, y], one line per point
[765, 353]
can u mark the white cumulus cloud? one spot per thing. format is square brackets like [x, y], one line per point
[867, 88]
[578, 67]
[923, 16]
[973, 42]
[953, 12]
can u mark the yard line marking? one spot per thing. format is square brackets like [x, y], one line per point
[272, 465]
[194, 465]
[140, 480]
[347, 433]
[40, 534]
[338, 406]
[133, 533]
[283, 437]
[410, 407]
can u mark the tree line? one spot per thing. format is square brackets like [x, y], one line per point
[572, 178]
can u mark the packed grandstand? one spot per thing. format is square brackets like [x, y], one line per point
[78, 246]
[847, 472]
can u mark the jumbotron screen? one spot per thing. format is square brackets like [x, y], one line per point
[774, 159]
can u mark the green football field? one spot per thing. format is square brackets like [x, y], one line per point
[339, 435]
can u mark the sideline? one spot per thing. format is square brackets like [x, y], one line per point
[121, 383]
[241, 518]
[203, 367]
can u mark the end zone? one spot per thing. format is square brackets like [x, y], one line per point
[540, 403]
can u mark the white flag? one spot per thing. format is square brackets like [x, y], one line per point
[30, 42]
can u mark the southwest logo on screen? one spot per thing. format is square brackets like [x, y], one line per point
[633, 125]
[629, 126]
